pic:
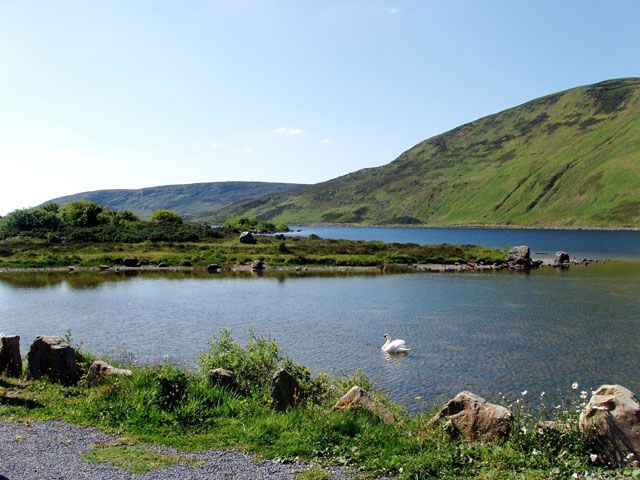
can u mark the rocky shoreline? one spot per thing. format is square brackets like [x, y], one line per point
[518, 258]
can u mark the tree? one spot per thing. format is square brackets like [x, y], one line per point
[80, 213]
[165, 216]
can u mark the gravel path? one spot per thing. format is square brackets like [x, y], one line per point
[52, 451]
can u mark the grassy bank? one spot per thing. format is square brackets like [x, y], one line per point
[275, 250]
[165, 405]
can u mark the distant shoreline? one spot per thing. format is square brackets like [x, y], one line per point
[470, 227]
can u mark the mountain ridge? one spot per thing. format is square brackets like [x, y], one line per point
[567, 159]
[189, 199]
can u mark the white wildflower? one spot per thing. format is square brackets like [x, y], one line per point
[535, 452]
[593, 457]
[574, 385]
[524, 392]
[542, 394]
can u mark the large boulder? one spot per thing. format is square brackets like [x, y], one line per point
[611, 420]
[53, 357]
[358, 398]
[561, 259]
[248, 238]
[472, 417]
[99, 370]
[519, 255]
[223, 378]
[285, 391]
[10, 360]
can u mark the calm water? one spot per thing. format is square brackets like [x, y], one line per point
[485, 332]
[604, 244]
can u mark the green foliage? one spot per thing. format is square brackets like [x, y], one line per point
[152, 243]
[172, 387]
[165, 216]
[83, 214]
[243, 224]
[254, 364]
[83, 221]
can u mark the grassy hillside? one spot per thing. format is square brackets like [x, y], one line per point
[192, 200]
[569, 159]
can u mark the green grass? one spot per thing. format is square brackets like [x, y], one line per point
[314, 474]
[292, 251]
[570, 159]
[165, 405]
[134, 458]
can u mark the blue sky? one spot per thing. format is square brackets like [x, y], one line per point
[123, 94]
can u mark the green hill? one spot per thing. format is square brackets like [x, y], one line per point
[191, 200]
[568, 159]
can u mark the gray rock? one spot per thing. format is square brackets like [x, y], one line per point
[100, 369]
[213, 268]
[247, 238]
[53, 357]
[223, 378]
[257, 265]
[611, 420]
[358, 398]
[285, 391]
[10, 359]
[472, 417]
[561, 259]
[519, 255]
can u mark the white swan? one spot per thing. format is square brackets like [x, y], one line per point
[394, 346]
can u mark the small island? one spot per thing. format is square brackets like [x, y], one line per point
[85, 235]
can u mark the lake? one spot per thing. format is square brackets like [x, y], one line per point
[487, 332]
[603, 244]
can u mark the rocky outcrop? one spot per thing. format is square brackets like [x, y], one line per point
[10, 359]
[247, 238]
[223, 378]
[99, 370]
[358, 398]
[285, 391]
[473, 418]
[611, 421]
[561, 259]
[54, 358]
[213, 268]
[520, 258]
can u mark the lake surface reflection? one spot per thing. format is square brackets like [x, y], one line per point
[485, 332]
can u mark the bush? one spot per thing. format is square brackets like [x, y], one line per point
[172, 388]
[165, 216]
[255, 364]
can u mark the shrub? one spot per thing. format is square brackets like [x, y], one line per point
[165, 216]
[255, 364]
[172, 387]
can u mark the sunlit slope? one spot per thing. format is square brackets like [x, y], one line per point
[567, 159]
